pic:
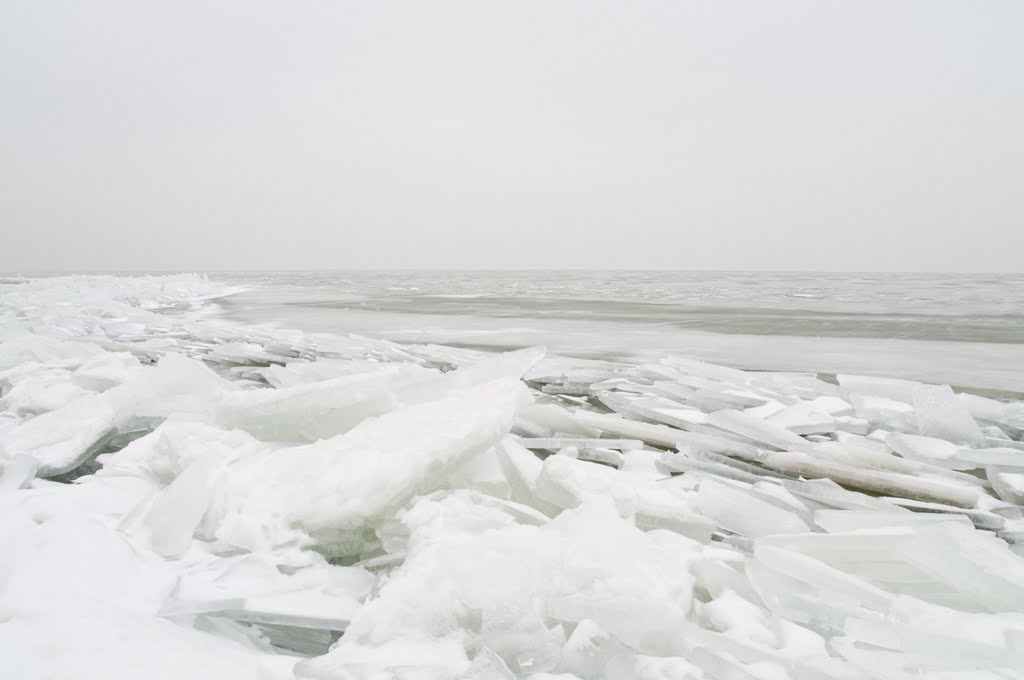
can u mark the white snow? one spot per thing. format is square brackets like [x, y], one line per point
[186, 497]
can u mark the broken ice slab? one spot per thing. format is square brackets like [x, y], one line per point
[940, 414]
[873, 481]
[757, 430]
[62, 440]
[1008, 483]
[1007, 415]
[624, 385]
[981, 519]
[766, 409]
[682, 462]
[891, 388]
[551, 418]
[664, 436]
[283, 610]
[642, 463]
[494, 367]
[1003, 457]
[1013, 533]
[522, 468]
[703, 369]
[884, 412]
[739, 511]
[568, 389]
[885, 462]
[721, 655]
[482, 472]
[319, 410]
[382, 562]
[856, 441]
[440, 658]
[18, 472]
[999, 443]
[926, 449]
[237, 352]
[708, 398]
[303, 372]
[759, 471]
[838, 521]
[177, 511]
[773, 492]
[448, 358]
[788, 581]
[993, 431]
[306, 641]
[106, 370]
[31, 389]
[799, 385]
[555, 443]
[332, 490]
[803, 419]
[938, 563]
[252, 588]
[554, 368]
[567, 483]
[949, 651]
[523, 427]
[246, 376]
[665, 411]
[829, 494]
[852, 425]
[832, 405]
[655, 374]
[520, 512]
[609, 457]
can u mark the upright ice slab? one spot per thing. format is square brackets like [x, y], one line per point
[940, 414]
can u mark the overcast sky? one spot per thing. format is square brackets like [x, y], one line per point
[249, 134]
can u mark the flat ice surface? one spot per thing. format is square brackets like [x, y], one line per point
[186, 496]
[957, 329]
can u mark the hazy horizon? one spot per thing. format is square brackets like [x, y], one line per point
[638, 270]
[677, 136]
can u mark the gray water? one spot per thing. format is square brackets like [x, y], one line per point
[966, 329]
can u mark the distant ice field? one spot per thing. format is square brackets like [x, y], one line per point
[962, 329]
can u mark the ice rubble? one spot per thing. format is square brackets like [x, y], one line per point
[183, 497]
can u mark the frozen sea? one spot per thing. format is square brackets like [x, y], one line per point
[963, 329]
[225, 478]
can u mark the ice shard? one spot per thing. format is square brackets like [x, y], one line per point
[940, 414]
[177, 511]
[737, 510]
[331, 490]
[760, 431]
[319, 410]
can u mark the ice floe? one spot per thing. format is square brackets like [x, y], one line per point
[186, 497]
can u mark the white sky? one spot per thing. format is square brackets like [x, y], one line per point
[249, 134]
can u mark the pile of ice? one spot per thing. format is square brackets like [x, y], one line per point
[185, 498]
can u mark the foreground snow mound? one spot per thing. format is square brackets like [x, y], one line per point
[77, 600]
[521, 590]
[185, 497]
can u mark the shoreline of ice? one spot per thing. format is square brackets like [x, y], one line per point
[184, 496]
[994, 368]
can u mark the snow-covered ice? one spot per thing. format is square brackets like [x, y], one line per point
[183, 496]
